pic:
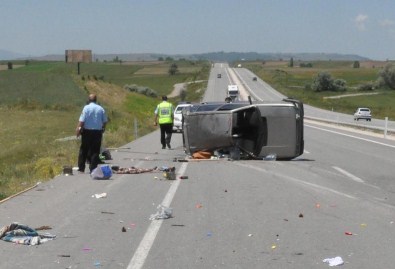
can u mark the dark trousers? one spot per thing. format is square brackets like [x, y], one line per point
[90, 148]
[166, 130]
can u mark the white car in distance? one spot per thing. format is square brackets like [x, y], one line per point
[177, 122]
[363, 113]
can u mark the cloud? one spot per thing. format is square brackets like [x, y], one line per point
[386, 23]
[360, 21]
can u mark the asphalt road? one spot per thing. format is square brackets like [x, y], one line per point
[337, 199]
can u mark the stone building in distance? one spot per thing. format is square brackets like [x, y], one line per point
[78, 56]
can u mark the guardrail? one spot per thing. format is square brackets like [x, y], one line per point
[384, 129]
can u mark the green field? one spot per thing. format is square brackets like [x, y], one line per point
[292, 82]
[40, 103]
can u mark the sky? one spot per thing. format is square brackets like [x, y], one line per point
[43, 27]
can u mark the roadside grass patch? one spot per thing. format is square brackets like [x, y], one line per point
[40, 105]
[30, 152]
[292, 82]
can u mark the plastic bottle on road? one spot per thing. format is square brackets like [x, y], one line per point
[270, 157]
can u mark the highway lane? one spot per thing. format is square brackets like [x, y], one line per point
[227, 214]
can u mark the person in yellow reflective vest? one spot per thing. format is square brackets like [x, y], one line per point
[164, 114]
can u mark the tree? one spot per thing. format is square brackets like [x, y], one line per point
[387, 76]
[173, 69]
[291, 62]
[356, 64]
[9, 65]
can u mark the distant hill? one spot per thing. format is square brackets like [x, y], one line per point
[211, 56]
[9, 55]
[252, 56]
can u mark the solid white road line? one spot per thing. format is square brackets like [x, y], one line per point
[141, 253]
[344, 172]
[353, 136]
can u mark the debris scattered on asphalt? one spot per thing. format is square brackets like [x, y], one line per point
[209, 234]
[67, 170]
[123, 229]
[64, 255]
[106, 212]
[169, 172]
[300, 215]
[202, 155]
[250, 235]
[115, 167]
[23, 234]
[199, 205]
[178, 225]
[162, 213]
[334, 261]
[270, 157]
[183, 177]
[348, 233]
[102, 172]
[45, 227]
[179, 160]
[135, 170]
[100, 195]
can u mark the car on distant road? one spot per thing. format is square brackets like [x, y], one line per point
[363, 113]
[177, 122]
[254, 78]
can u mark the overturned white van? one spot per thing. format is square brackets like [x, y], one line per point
[257, 129]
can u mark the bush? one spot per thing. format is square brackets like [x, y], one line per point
[141, 90]
[183, 95]
[366, 87]
[306, 65]
[324, 82]
[340, 85]
[387, 76]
